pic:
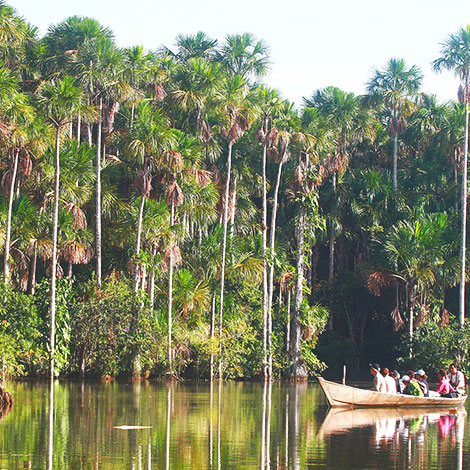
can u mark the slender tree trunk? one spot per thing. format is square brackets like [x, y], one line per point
[411, 322]
[212, 337]
[138, 242]
[170, 291]
[98, 197]
[464, 222]
[54, 250]
[395, 152]
[79, 128]
[298, 369]
[272, 239]
[152, 279]
[264, 234]
[331, 257]
[69, 270]
[224, 249]
[6, 268]
[331, 246]
[131, 122]
[288, 322]
[234, 205]
[32, 270]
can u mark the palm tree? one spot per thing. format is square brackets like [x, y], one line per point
[237, 114]
[17, 127]
[244, 55]
[396, 85]
[348, 121]
[269, 104]
[455, 55]
[286, 124]
[144, 144]
[60, 101]
[191, 46]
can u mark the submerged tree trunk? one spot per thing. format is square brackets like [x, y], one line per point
[464, 222]
[55, 218]
[98, 197]
[6, 261]
[224, 249]
[298, 370]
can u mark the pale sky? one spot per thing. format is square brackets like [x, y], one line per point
[313, 43]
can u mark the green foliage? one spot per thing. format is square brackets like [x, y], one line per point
[111, 329]
[436, 346]
[21, 347]
[42, 300]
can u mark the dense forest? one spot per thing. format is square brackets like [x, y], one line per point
[165, 214]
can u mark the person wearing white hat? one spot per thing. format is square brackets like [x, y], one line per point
[422, 382]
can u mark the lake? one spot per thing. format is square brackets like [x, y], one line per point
[225, 426]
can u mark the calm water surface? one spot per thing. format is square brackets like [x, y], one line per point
[224, 426]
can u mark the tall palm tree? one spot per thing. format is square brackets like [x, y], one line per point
[60, 101]
[455, 56]
[269, 103]
[237, 115]
[348, 120]
[199, 45]
[244, 55]
[144, 143]
[396, 85]
[16, 127]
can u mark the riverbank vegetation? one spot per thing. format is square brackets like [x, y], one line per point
[164, 213]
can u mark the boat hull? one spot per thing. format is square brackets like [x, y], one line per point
[344, 396]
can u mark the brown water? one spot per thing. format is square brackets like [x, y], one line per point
[224, 426]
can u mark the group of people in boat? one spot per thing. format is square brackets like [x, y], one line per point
[416, 383]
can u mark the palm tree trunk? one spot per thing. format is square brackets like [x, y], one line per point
[331, 256]
[298, 370]
[212, 337]
[69, 270]
[264, 234]
[152, 279]
[32, 270]
[395, 151]
[464, 222]
[6, 269]
[272, 238]
[170, 290]
[234, 205]
[98, 197]
[54, 250]
[79, 128]
[137, 242]
[224, 249]
[288, 322]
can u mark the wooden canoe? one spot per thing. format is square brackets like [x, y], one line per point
[345, 396]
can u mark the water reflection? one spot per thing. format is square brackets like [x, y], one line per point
[405, 436]
[266, 426]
